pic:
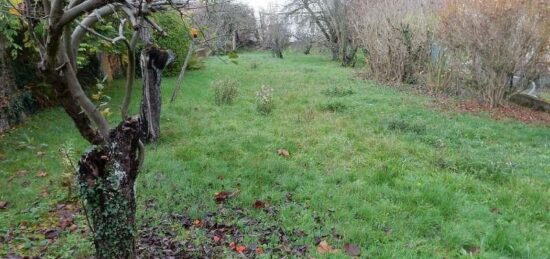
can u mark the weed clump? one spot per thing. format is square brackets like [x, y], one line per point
[337, 91]
[402, 125]
[264, 100]
[254, 65]
[335, 106]
[225, 91]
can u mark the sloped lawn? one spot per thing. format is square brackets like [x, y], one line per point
[368, 166]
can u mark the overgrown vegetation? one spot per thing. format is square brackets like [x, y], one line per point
[264, 100]
[177, 40]
[492, 41]
[434, 185]
[225, 91]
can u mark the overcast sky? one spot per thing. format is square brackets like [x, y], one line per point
[258, 4]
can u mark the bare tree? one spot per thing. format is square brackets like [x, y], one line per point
[107, 172]
[276, 34]
[331, 17]
[228, 24]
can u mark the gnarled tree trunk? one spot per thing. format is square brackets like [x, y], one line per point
[106, 177]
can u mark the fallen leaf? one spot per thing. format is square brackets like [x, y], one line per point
[283, 152]
[324, 248]
[51, 234]
[472, 250]
[4, 205]
[21, 173]
[73, 227]
[495, 210]
[240, 249]
[220, 197]
[197, 223]
[259, 204]
[259, 250]
[216, 238]
[42, 173]
[352, 250]
[232, 245]
[44, 193]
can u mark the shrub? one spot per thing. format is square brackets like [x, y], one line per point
[396, 36]
[337, 91]
[225, 91]
[264, 100]
[491, 41]
[177, 41]
[439, 75]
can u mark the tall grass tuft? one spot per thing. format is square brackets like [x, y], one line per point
[264, 100]
[225, 91]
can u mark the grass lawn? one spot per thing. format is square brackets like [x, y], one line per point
[374, 167]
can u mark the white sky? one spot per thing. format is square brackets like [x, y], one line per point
[259, 4]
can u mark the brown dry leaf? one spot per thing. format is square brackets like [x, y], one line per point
[197, 223]
[259, 204]
[352, 250]
[220, 197]
[324, 248]
[216, 238]
[51, 234]
[73, 228]
[3, 205]
[283, 152]
[42, 173]
[473, 250]
[21, 173]
[240, 249]
[259, 250]
[44, 193]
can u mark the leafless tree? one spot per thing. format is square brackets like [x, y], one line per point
[331, 17]
[227, 23]
[276, 33]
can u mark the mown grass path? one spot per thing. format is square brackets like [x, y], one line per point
[377, 168]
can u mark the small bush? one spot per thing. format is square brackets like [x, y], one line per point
[264, 100]
[438, 76]
[337, 91]
[402, 125]
[335, 106]
[490, 41]
[176, 40]
[225, 91]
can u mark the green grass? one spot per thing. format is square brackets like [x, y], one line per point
[377, 168]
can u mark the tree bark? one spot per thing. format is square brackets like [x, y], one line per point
[153, 61]
[106, 178]
[7, 87]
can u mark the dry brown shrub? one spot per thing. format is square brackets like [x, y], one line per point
[396, 35]
[490, 41]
